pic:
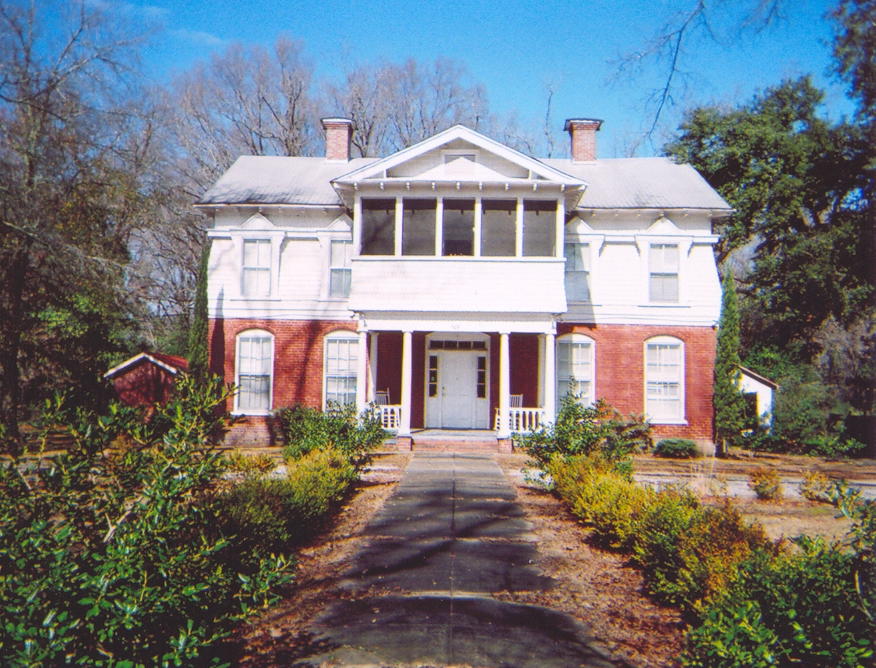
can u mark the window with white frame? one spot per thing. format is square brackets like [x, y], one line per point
[663, 273]
[339, 268]
[577, 271]
[341, 356]
[255, 369]
[664, 379]
[575, 367]
[256, 267]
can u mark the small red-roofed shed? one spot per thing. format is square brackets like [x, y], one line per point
[147, 378]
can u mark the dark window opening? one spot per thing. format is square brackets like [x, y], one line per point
[458, 227]
[378, 226]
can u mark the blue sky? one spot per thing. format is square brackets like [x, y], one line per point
[515, 48]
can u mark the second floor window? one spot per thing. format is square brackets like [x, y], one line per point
[339, 268]
[577, 272]
[663, 273]
[256, 268]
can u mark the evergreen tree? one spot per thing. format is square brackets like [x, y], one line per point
[727, 399]
[198, 358]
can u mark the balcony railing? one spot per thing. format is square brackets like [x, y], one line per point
[471, 284]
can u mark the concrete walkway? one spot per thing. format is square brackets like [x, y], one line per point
[419, 593]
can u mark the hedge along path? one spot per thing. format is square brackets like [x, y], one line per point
[594, 587]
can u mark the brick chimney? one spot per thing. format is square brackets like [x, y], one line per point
[338, 133]
[582, 132]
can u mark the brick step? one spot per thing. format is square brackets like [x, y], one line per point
[452, 445]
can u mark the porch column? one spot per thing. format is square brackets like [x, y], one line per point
[560, 232]
[372, 367]
[397, 238]
[404, 428]
[518, 229]
[541, 345]
[439, 226]
[504, 386]
[550, 377]
[362, 371]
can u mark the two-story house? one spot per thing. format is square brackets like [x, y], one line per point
[460, 284]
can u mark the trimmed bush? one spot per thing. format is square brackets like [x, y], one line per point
[766, 484]
[815, 486]
[271, 515]
[584, 430]
[676, 448]
[306, 429]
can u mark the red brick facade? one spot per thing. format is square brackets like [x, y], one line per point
[620, 371]
[298, 355]
[298, 365]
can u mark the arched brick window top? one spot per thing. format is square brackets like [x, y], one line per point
[664, 380]
[340, 359]
[254, 372]
[576, 367]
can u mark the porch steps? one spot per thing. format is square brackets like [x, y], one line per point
[462, 441]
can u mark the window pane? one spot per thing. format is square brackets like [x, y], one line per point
[257, 253]
[340, 370]
[458, 227]
[498, 227]
[663, 371]
[418, 227]
[340, 283]
[340, 253]
[539, 227]
[664, 287]
[575, 369]
[378, 226]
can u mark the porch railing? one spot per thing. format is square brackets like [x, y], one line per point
[522, 419]
[390, 416]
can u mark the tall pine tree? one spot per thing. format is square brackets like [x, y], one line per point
[197, 348]
[727, 399]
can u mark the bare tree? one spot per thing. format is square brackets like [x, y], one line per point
[396, 105]
[721, 22]
[71, 193]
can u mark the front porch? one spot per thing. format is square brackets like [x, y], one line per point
[438, 384]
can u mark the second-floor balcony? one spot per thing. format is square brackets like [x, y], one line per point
[459, 284]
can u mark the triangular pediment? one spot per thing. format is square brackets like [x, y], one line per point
[458, 154]
[664, 226]
[257, 222]
[341, 224]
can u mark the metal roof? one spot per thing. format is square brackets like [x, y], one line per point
[641, 183]
[620, 183]
[257, 179]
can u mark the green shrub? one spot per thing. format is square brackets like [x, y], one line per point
[271, 515]
[250, 465]
[792, 610]
[815, 486]
[582, 430]
[111, 556]
[306, 429]
[676, 448]
[766, 483]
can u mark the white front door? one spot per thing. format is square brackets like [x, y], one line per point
[456, 393]
[458, 390]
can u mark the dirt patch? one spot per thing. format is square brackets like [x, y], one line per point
[280, 634]
[597, 587]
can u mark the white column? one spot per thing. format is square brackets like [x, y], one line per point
[439, 226]
[550, 377]
[357, 225]
[404, 428]
[477, 227]
[372, 367]
[560, 228]
[504, 386]
[399, 212]
[540, 399]
[362, 371]
[518, 229]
